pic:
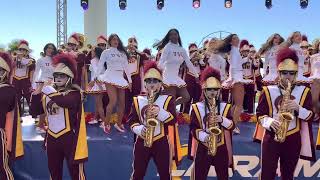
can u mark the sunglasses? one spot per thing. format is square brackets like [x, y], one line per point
[59, 75]
[71, 44]
[21, 49]
[151, 80]
[212, 89]
[304, 47]
[102, 45]
[288, 72]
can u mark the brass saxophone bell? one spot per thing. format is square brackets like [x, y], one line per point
[153, 122]
[287, 116]
[215, 130]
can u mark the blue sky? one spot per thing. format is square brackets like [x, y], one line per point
[35, 20]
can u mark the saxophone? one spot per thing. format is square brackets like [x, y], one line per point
[152, 122]
[285, 116]
[213, 129]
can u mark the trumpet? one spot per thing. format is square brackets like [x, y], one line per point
[197, 56]
[213, 128]
[152, 122]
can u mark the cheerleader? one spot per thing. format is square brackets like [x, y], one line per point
[216, 59]
[172, 57]
[44, 72]
[95, 87]
[235, 81]
[270, 50]
[116, 59]
[315, 76]
[294, 43]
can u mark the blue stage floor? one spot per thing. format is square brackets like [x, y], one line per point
[110, 156]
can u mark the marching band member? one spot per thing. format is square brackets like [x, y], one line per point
[235, 81]
[248, 74]
[285, 111]
[147, 52]
[135, 62]
[193, 85]
[66, 135]
[244, 48]
[157, 108]
[171, 59]
[102, 42]
[211, 125]
[116, 60]
[23, 73]
[10, 127]
[44, 72]
[270, 50]
[257, 64]
[304, 45]
[73, 45]
[294, 42]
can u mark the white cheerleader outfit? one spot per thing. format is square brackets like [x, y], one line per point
[315, 64]
[172, 57]
[271, 62]
[43, 71]
[95, 86]
[218, 62]
[300, 78]
[235, 70]
[117, 65]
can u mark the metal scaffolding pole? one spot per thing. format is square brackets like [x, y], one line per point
[61, 22]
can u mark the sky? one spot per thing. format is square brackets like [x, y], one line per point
[35, 20]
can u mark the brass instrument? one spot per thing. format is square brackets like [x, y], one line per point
[285, 116]
[197, 56]
[213, 128]
[152, 122]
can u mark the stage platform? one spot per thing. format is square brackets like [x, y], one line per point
[110, 156]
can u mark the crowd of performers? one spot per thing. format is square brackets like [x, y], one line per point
[215, 86]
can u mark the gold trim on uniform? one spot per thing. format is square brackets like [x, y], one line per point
[268, 97]
[302, 99]
[19, 151]
[67, 125]
[82, 144]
